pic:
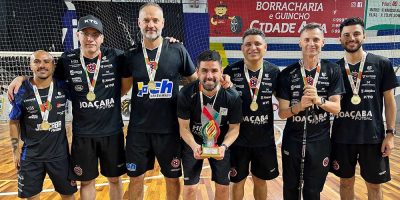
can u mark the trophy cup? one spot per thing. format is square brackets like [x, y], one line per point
[210, 132]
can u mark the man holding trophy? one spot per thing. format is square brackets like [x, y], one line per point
[209, 120]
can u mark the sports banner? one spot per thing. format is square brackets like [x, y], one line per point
[382, 14]
[280, 18]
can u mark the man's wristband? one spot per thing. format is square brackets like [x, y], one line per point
[323, 101]
[224, 145]
[392, 131]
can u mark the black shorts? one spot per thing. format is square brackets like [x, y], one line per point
[373, 167]
[192, 167]
[264, 163]
[316, 167]
[86, 151]
[142, 148]
[32, 174]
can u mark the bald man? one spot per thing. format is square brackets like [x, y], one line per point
[38, 118]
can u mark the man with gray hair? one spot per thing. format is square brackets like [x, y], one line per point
[154, 68]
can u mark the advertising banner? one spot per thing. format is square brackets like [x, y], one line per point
[280, 18]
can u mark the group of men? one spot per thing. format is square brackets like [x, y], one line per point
[94, 77]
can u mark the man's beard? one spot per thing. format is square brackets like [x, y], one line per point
[152, 38]
[209, 87]
[352, 50]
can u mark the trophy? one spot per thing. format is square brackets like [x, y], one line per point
[210, 132]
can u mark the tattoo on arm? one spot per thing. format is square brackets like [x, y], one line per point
[14, 144]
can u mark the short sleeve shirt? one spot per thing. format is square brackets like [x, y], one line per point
[330, 82]
[228, 105]
[101, 117]
[363, 123]
[257, 127]
[154, 111]
[41, 145]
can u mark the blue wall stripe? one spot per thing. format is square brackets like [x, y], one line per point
[389, 32]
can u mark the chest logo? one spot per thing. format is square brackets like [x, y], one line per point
[162, 89]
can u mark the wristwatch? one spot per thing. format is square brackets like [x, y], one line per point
[224, 145]
[323, 101]
[392, 131]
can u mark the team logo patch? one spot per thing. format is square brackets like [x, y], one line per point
[354, 74]
[46, 106]
[325, 162]
[131, 167]
[253, 82]
[232, 172]
[78, 88]
[78, 170]
[335, 165]
[91, 67]
[175, 163]
[73, 183]
[153, 65]
[223, 111]
[310, 80]
[286, 152]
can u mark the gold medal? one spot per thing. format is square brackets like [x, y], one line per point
[151, 85]
[45, 125]
[91, 96]
[253, 106]
[355, 99]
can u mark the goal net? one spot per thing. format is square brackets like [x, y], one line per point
[26, 26]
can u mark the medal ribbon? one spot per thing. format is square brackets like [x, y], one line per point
[151, 70]
[355, 88]
[303, 74]
[91, 84]
[246, 74]
[44, 111]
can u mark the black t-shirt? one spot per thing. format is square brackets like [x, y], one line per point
[101, 117]
[290, 88]
[228, 104]
[40, 145]
[257, 127]
[363, 123]
[155, 111]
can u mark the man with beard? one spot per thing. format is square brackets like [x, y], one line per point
[154, 68]
[309, 90]
[358, 132]
[93, 77]
[208, 112]
[38, 116]
[256, 81]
